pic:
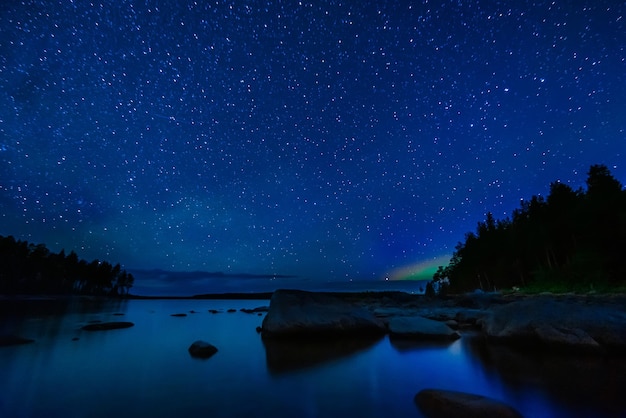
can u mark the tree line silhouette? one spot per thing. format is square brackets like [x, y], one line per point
[33, 269]
[573, 239]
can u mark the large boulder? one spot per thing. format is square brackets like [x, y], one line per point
[559, 323]
[297, 313]
[201, 349]
[449, 404]
[416, 327]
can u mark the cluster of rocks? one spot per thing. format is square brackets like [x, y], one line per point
[578, 324]
[296, 313]
[571, 323]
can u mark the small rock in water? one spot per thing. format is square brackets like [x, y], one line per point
[179, 314]
[202, 349]
[231, 310]
[118, 314]
[214, 311]
[260, 309]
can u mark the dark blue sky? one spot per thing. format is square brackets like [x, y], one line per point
[331, 140]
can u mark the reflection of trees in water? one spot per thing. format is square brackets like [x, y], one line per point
[285, 356]
[577, 381]
[59, 305]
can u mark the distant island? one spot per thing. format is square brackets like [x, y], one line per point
[27, 268]
[198, 274]
[573, 240]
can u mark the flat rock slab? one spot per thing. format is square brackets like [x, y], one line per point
[8, 340]
[202, 349]
[297, 313]
[559, 324]
[450, 404]
[417, 327]
[104, 326]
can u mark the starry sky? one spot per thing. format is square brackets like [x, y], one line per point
[335, 140]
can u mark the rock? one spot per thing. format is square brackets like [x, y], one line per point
[468, 317]
[118, 314]
[307, 314]
[103, 326]
[449, 404]
[574, 337]
[255, 310]
[180, 315]
[478, 299]
[8, 340]
[231, 310]
[452, 324]
[417, 327]
[558, 323]
[214, 311]
[386, 312]
[202, 349]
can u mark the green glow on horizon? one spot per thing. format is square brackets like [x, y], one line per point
[422, 270]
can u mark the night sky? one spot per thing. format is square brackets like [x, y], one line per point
[330, 140]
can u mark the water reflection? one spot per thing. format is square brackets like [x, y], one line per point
[284, 356]
[147, 369]
[407, 344]
[46, 319]
[588, 385]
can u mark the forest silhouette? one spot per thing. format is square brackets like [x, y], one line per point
[33, 269]
[573, 240]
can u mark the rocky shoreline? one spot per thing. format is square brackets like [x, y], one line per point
[573, 323]
[592, 328]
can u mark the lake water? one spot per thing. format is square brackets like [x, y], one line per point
[146, 370]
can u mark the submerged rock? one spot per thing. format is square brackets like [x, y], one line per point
[103, 326]
[449, 404]
[416, 327]
[297, 313]
[202, 349]
[179, 315]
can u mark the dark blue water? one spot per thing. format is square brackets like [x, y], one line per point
[146, 370]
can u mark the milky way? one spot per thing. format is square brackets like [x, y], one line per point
[331, 140]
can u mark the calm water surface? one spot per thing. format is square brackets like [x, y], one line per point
[146, 370]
